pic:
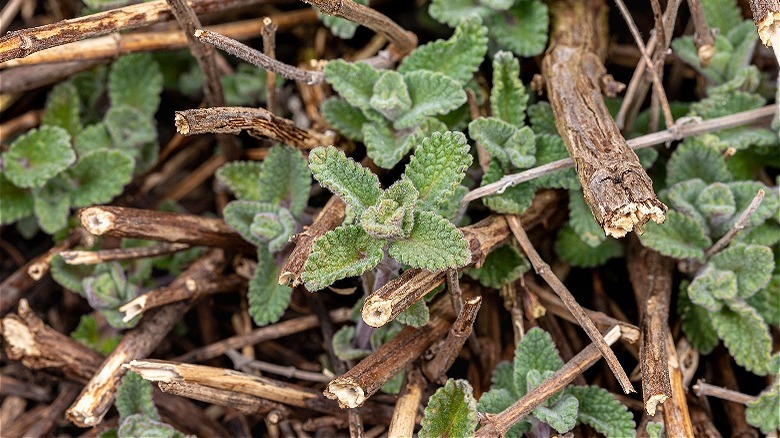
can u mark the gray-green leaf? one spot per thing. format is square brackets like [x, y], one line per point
[344, 252]
[451, 411]
[435, 244]
[38, 156]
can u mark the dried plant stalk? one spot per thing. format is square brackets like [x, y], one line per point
[616, 187]
[405, 413]
[460, 331]
[243, 402]
[766, 15]
[109, 255]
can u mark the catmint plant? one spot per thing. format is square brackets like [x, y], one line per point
[389, 111]
[402, 221]
[270, 199]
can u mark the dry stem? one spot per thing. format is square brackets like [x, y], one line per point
[702, 38]
[766, 15]
[705, 389]
[243, 402]
[544, 271]
[461, 329]
[739, 225]
[405, 413]
[110, 255]
[268, 33]
[676, 417]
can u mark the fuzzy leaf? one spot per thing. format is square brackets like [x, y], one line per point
[719, 105]
[522, 29]
[267, 298]
[390, 96]
[722, 14]
[342, 345]
[241, 177]
[432, 94]
[655, 430]
[15, 202]
[744, 192]
[245, 87]
[284, 180]
[62, 108]
[52, 205]
[711, 287]
[542, 118]
[345, 118]
[549, 148]
[505, 142]
[99, 177]
[716, 202]
[497, 400]
[502, 266]
[451, 207]
[37, 156]
[451, 411]
[452, 12]
[438, 166]
[92, 138]
[679, 237]
[514, 200]
[129, 127]
[416, 315]
[340, 27]
[87, 333]
[458, 57]
[354, 184]
[508, 99]
[70, 276]
[344, 252]
[562, 416]
[696, 322]
[745, 334]
[751, 264]
[682, 197]
[693, 159]
[134, 396]
[435, 244]
[578, 253]
[140, 425]
[354, 81]
[536, 351]
[383, 145]
[242, 216]
[393, 215]
[762, 413]
[582, 222]
[136, 81]
[599, 410]
[767, 301]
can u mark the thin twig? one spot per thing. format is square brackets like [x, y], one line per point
[738, 226]
[243, 402]
[702, 37]
[543, 269]
[268, 33]
[110, 255]
[701, 388]
[436, 368]
[9, 12]
[675, 411]
[453, 289]
[241, 361]
[678, 132]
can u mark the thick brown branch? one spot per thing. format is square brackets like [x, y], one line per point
[460, 331]
[160, 226]
[676, 417]
[258, 122]
[616, 187]
[766, 15]
[544, 271]
[23, 42]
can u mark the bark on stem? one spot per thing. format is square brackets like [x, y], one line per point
[96, 398]
[258, 122]
[766, 15]
[544, 271]
[268, 32]
[701, 388]
[243, 402]
[676, 417]
[702, 37]
[161, 226]
[405, 412]
[110, 255]
[461, 329]
[499, 424]
[616, 187]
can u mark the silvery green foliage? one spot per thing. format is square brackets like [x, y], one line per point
[88, 333]
[655, 430]
[451, 411]
[246, 86]
[107, 289]
[762, 412]
[340, 27]
[64, 164]
[502, 266]
[582, 242]
[270, 199]
[516, 25]
[138, 415]
[389, 111]
[536, 359]
[402, 218]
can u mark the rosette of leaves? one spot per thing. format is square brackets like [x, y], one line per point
[401, 220]
[270, 198]
[105, 286]
[64, 164]
[340, 27]
[389, 111]
[516, 25]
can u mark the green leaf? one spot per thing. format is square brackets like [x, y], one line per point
[751, 264]
[284, 180]
[451, 411]
[134, 396]
[38, 156]
[562, 416]
[696, 322]
[711, 287]
[245, 87]
[435, 244]
[582, 222]
[348, 120]
[354, 81]
[514, 200]
[140, 425]
[390, 96]
[716, 202]
[393, 215]
[692, 159]
[431, 94]
[91, 85]
[92, 138]
[452, 12]
[437, 167]
[505, 142]
[267, 298]
[549, 148]
[342, 345]
[99, 177]
[129, 128]
[383, 145]
[502, 266]
[522, 29]
[497, 400]
[52, 205]
[15, 202]
[718, 105]
[722, 14]
[507, 97]
[242, 178]
[762, 413]
[503, 377]
[542, 118]
[87, 333]
[767, 301]
[451, 207]
[601, 411]
[416, 315]
[344, 252]
[536, 351]
[70, 276]
[679, 237]
[340, 27]
[682, 197]
[354, 184]
[62, 108]
[136, 81]
[745, 334]
[458, 57]
[261, 223]
[578, 253]
[744, 192]
[655, 430]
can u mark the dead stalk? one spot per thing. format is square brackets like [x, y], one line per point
[405, 413]
[544, 271]
[739, 225]
[268, 32]
[243, 402]
[676, 417]
[461, 329]
[703, 37]
[702, 389]
[111, 255]
[766, 15]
